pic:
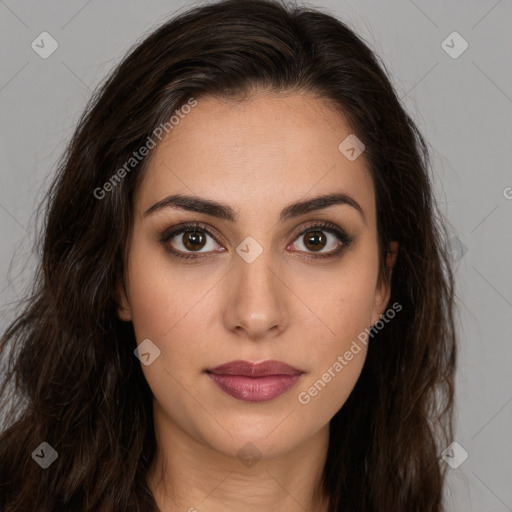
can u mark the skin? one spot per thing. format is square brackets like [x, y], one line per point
[257, 156]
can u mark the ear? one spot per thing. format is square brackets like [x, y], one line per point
[124, 310]
[383, 290]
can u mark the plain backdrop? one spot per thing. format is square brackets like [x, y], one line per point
[461, 103]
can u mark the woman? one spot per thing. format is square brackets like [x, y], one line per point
[244, 301]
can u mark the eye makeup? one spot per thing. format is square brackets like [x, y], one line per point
[344, 239]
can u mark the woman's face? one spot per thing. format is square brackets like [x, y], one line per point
[259, 288]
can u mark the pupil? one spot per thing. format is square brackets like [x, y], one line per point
[318, 238]
[315, 240]
[192, 239]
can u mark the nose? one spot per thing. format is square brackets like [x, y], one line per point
[256, 305]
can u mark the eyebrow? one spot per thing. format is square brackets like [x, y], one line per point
[226, 212]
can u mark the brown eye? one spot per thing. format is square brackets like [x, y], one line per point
[193, 240]
[189, 241]
[315, 240]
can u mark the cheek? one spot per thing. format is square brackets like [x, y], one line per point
[340, 300]
[163, 294]
[165, 307]
[339, 352]
[322, 396]
[343, 305]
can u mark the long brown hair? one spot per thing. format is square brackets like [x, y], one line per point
[71, 377]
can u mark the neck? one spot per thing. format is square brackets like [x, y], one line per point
[188, 475]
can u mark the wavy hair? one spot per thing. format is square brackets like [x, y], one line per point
[71, 378]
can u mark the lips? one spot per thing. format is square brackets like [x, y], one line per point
[249, 369]
[255, 382]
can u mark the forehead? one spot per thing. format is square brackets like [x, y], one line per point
[268, 151]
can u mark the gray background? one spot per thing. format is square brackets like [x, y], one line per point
[462, 105]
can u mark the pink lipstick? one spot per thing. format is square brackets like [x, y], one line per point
[254, 382]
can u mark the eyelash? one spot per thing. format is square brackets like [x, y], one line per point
[346, 240]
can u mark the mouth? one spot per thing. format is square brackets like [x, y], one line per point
[255, 382]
